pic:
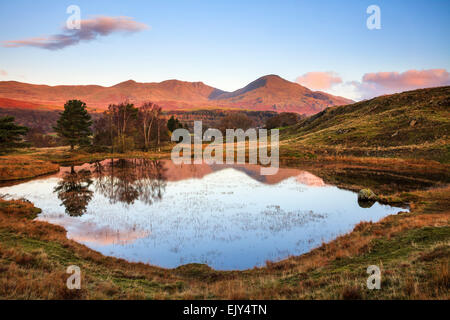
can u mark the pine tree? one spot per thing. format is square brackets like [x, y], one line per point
[11, 134]
[173, 124]
[74, 124]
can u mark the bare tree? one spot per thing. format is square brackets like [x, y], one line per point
[149, 113]
[120, 116]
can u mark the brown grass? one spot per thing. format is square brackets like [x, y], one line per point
[24, 167]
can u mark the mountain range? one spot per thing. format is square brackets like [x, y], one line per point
[270, 92]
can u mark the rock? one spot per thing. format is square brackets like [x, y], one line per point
[342, 131]
[413, 123]
[366, 195]
[25, 200]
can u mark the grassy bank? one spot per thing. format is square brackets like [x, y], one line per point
[412, 249]
[16, 167]
[33, 162]
[64, 156]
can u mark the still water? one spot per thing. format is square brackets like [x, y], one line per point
[229, 217]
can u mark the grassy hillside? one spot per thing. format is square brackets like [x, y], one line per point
[413, 124]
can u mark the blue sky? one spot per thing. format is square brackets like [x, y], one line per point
[227, 44]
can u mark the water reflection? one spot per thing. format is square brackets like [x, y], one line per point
[366, 203]
[119, 180]
[73, 191]
[228, 216]
[126, 181]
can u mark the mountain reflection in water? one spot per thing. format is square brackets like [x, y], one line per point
[228, 216]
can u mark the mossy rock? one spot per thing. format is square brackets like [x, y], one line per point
[366, 195]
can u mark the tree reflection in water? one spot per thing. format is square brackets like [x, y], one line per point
[127, 180]
[73, 191]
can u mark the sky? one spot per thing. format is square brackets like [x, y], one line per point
[324, 45]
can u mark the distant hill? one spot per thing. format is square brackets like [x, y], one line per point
[278, 94]
[266, 93]
[18, 104]
[413, 124]
[33, 118]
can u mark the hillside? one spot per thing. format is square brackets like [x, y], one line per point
[266, 93]
[18, 104]
[278, 94]
[413, 124]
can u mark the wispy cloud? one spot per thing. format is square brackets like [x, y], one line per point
[319, 80]
[90, 30]
[3, 73]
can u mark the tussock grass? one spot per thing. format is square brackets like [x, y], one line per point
[16, 167]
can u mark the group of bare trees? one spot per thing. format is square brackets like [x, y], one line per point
[124, 127]
[150, 114]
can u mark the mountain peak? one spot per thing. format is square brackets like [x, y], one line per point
[270, 84]
[271, 92]
[272, 77]
[268, 80]
[126, 83]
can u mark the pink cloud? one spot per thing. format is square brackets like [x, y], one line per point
[379, 83]
[90, 30]
[3, 73]
[319, 80]
[411, 79]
